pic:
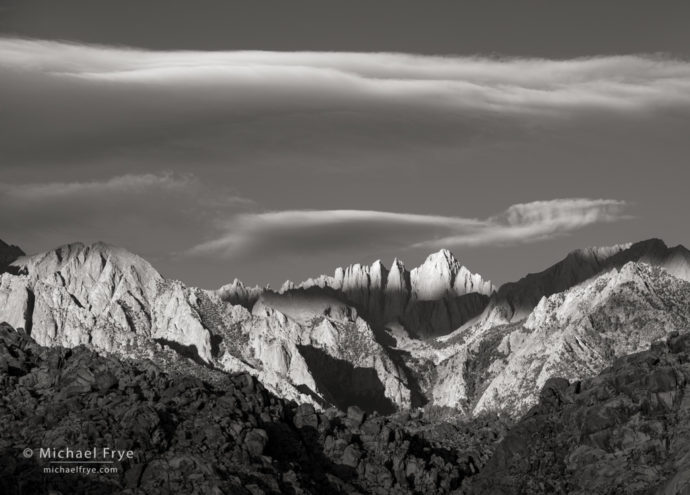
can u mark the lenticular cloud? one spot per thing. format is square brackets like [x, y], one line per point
[520, 223]
[314, 79]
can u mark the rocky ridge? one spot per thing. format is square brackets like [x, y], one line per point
[575, 333]
[626, 430]
[515, 300]
[108, 323]
[114, 301]
[199, 431]
[430, 300]
[316, 343]
[237, 293]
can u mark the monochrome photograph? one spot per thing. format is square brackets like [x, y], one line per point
[313, 248]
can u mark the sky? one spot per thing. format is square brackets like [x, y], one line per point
[277, 140]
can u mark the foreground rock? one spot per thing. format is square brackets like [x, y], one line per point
[199, 431]
[624, 431]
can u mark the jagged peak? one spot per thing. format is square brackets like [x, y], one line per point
[443, 255]
[653, 244]
[8, 255]
[378, 268]
[287, 285]
[644, 275]
[596, 254]
[4, 244]
[94, 258]
[443, 260]
[398, 263]
[596, 251]
[74, 249]
[679, 248]
[10, 248]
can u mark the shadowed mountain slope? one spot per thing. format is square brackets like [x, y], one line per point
[515, 300]
[8, 254]
[626, 430]
[195, 430]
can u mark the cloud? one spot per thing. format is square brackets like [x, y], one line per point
[131, 209]
[246, 78]
[124, 185]
[538, 220]
[99, 127]
[306, 231]
[94, 99]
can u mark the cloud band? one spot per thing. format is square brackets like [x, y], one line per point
[314, 230]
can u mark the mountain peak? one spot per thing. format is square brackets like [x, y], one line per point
[515, 300]
[377, 266]
[8, 254]
[94, 258]
[237, 293]
[442, 274]
[3, 244]
[652, 243]
[580, 330]
[443, 255]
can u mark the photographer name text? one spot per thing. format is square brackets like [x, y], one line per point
[95, 453]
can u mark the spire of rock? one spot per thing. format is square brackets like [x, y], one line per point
[386, 296]
[238, 293]
[442, 275]
[396, 292]
[378, 275]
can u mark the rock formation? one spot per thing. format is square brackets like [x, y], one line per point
[115, 301]
[101, 295]
[574, 334]
[514, 301]
[195, 430]
[237, 293]
[318, 342]
[428, 300]
[199, 381]
[626, 430]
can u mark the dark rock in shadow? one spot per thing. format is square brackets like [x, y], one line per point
[344, 385]
[22, 476]
[198, 430]
[8, 254]
[188, 351]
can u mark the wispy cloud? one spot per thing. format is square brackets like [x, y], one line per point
[85, 103]
[129, 184]
[538, 220]
[122, 209]
[321, 230]
[98, 124]
[329, 80]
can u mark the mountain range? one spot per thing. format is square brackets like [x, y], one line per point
[372, 380]
[382, 339]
